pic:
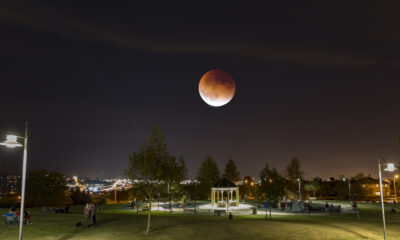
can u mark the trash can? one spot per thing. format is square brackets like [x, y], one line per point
[254, 211]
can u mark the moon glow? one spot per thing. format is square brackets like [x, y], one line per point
[217, 88]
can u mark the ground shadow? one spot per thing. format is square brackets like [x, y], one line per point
[77, 230]
[347, 230]
[105, 221]
[170, 226]
[70, 234]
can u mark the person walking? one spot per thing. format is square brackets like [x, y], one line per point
[355, 209]
[93, 212]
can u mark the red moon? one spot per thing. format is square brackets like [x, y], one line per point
[217, 88]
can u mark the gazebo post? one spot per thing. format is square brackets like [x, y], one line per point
[237, 196]
[212, 197]
[222, 195]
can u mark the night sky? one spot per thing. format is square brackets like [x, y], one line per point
[314, 80]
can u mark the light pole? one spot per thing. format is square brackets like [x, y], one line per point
[394, 186]
[390, 168]
[12, 142]
[298, 180]
[348, 180]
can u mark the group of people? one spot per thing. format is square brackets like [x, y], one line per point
[13, 215]
[331, 209]
[90, 214]
[57, 210]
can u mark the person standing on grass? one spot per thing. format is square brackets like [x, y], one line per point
[326, 207]
[87, 214]
[332, 209]
[93, 212]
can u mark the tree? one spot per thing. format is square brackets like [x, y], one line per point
[293, 169]
[293, 173]
[45, 188]
[341, 188]
[79, 197]
[248, 188]
[177, 173]
[313, 186]
[231, 172]
[272, 185]
[207, 175]
[150, 166]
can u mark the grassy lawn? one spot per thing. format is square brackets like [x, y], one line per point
[116, 223]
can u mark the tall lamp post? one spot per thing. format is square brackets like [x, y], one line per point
[390, 168]
[394, 186]
[348, 180]
[298, 180]
[12, 142]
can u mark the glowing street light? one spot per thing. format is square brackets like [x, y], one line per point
[12, 142]
[390, 168]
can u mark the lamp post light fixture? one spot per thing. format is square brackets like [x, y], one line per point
[12, 142]
[389, 168]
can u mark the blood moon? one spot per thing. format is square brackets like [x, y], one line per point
[217, 88]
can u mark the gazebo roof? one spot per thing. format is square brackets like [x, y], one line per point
[224, 183]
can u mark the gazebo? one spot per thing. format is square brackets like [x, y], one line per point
[224, 188]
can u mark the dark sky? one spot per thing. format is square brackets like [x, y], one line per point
[315, 80]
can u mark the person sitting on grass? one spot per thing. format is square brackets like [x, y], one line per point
[27, 217]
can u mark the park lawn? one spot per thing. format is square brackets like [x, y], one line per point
[117, 223]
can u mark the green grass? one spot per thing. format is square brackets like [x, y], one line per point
[118, 223]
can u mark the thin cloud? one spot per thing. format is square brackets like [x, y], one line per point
[64, 23]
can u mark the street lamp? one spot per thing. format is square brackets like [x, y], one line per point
[344, 180]
[12, 142]
[298, 180]
[394, 186]
[390, 168]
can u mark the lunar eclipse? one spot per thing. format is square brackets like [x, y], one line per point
[217, 88]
